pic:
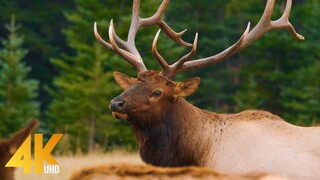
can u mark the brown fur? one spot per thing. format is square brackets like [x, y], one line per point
[9, 146]
[250, 115]
[144, 172]
[171, 132]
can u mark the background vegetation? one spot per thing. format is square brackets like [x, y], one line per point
[52, 68]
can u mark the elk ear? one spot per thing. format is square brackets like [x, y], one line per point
[123, 80]
[19, 137]
[187, 87]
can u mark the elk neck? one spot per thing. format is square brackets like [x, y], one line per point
[6, 173]
[174, 136]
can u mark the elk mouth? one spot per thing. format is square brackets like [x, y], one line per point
[120, 115]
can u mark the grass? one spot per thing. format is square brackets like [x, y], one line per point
[68, 165]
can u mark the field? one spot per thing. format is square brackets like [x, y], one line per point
[70, 164]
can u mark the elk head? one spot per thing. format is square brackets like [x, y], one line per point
[154, 92]
[150, 92]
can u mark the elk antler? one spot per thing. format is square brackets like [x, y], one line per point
[130, 52]
[264, 25]
[168, 70]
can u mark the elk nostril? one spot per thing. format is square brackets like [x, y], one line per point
[120, 104]
[116, 105]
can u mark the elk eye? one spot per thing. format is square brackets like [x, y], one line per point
[157, 93]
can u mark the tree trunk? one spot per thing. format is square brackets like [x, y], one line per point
[91, 134]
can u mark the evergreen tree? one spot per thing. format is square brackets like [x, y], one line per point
[17, 92]
[84, 84]
[269, 74]
[265, 75]
[208, 18]
[303, 96]
[42, 23]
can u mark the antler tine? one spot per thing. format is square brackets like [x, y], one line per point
[264, 25]
[130, 52]
[103, 42]
[131, 58]
[132, 55]
[170, 70]
[160, 59]
[188, 56]
[99, 38]
[284, 19]
[193, 64]
[156, 19]
[134, 26]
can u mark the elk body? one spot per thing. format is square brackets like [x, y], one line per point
[9, 146]
[171, 132]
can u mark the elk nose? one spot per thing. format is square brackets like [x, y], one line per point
[116, 105]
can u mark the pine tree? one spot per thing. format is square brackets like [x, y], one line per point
[80, 93]
[17, 92]
[277, 72]
[301, 94]
[270, 74]
[85, 85]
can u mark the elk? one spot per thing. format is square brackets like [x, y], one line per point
[171, 132]
[9, 146]
[146, 172]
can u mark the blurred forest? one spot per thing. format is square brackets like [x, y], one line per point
[52, 68]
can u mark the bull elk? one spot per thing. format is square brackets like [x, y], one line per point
[172, 132]
[9, 146]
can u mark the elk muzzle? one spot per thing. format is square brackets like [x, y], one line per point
[116, 106]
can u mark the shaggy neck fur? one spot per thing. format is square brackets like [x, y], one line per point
[6, 173]
[174, 136]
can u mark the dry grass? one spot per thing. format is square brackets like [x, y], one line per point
[68, 165]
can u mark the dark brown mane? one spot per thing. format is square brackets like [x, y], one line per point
[166, 143]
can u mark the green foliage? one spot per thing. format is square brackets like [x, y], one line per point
[84, 85]
[276, 73]
[17, 93]
[303, 95]
[42, 21]
[271, 71]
